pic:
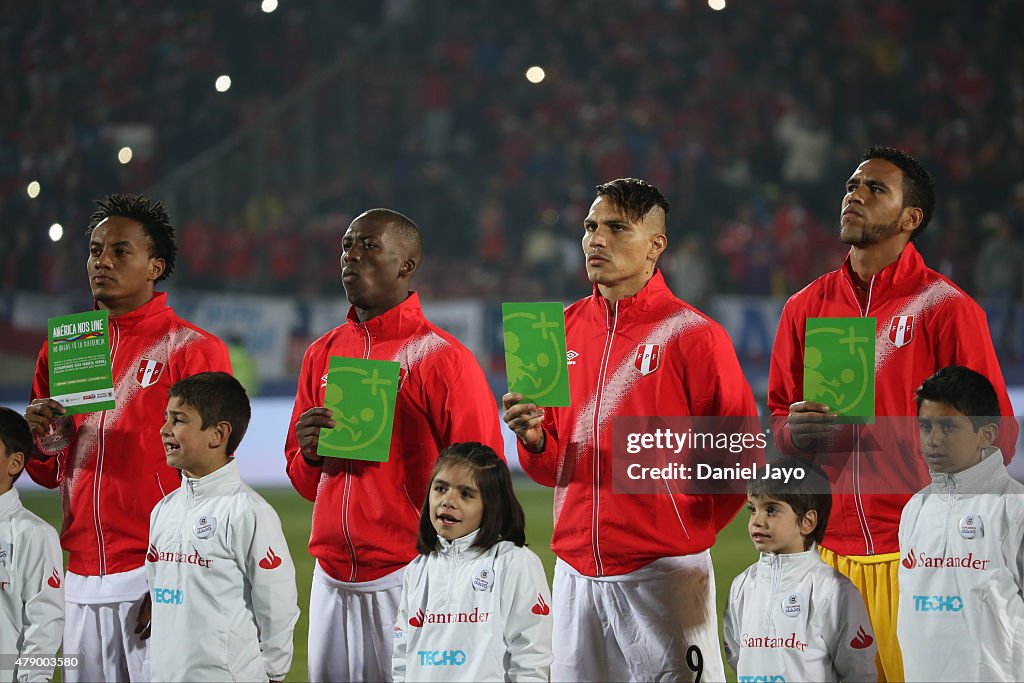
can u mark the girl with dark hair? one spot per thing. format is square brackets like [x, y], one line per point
[475, 603]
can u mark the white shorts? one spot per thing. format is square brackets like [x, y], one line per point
[351, 627]
[658, 623]
[103, 637]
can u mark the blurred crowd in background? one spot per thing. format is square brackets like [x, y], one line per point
[749, 119]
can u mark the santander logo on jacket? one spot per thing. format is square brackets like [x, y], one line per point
[422, 618]
[922, 560]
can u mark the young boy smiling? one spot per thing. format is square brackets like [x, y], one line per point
[222, 581]
[961, 611]
[790, 615]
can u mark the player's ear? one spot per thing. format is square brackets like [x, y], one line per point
[156, 268]
[408, 267]
[910, 218]
[659, 242]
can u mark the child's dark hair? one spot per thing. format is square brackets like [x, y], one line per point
[15, 434]
[217, 397]
[503, 518]
[809, 492]
[968, 391]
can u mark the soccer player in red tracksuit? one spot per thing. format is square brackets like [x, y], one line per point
[924, 322]
[366, 514]
[634, 588]
[114, 471]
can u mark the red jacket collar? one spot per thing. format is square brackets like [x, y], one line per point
[650, 295]
[399, 321]
[903, 273]
[156, 305]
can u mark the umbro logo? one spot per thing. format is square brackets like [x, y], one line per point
[571, 356]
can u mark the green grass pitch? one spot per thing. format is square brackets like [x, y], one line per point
[732, 553]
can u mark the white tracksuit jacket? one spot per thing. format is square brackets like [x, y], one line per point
[472, 615]
[794, 618]
[961, 614]
[222, 583]
[31, 589]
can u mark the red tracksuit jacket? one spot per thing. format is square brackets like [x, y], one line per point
[366, 515]
[599, 532]
[924, 323]
[115, 471]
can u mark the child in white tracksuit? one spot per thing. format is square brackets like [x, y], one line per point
[31, 569]
[475, 603]
[961, 575]
[790, 616]
[222, 582]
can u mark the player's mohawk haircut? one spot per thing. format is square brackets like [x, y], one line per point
[151, 215]
[633, 196]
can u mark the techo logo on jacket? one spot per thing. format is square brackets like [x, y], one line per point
[938, 603]
[168, 596]
[441, 657]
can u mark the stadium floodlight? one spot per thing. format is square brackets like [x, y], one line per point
[716, 5]
[124, 155]
[223, 83]
[269, 6]
[535, 74]
[56, 232]
[33, 189]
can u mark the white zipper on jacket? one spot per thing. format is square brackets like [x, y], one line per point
[346, 496]
[862, 518]
[101, 444]
[769, 622]
[611, 322]
[950, 500]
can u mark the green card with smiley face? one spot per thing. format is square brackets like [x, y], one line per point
[535, 360]
[839, 367]
[361, 395]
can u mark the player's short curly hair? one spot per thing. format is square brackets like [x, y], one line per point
[918, 184]
[151, 215]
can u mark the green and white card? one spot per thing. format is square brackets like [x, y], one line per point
[361, 396]
[535, 361]
[839, 367]
[81, 378]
